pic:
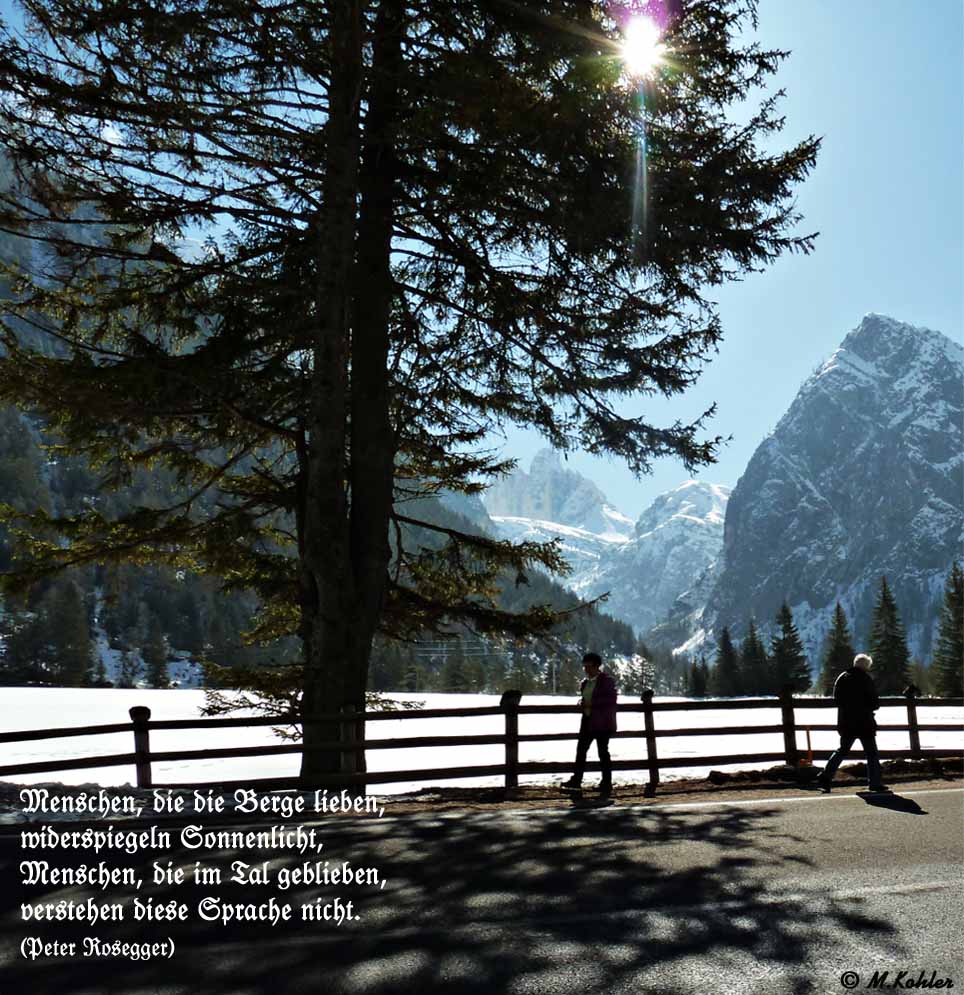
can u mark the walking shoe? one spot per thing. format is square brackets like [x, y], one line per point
[880, 789]
[823, 784]
[571, 783]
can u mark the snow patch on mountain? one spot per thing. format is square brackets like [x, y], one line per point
[643, 566]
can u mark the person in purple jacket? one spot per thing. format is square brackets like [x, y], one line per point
[598, 703]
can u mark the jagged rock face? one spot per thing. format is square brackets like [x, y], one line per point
[551, 493]
[676, 540]
[861, 477]
[643, 567]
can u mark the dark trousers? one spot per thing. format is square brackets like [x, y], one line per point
[869, 744]
[586, 736]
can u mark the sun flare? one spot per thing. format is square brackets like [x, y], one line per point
[642, 50]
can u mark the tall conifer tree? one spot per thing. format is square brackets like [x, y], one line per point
[947, 669]
[888, 645]
[129, 670]
[418, 228]
[704, 675]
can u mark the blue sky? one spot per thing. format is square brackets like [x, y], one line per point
[882, 82]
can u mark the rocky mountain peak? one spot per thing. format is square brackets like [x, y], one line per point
[862, 476]
[550, 492]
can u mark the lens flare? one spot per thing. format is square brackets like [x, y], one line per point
[642, 49]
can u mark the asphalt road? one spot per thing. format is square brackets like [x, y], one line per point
[773, 896]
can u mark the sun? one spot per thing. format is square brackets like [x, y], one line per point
[642, 50]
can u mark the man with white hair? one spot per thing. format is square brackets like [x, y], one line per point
[857, 700]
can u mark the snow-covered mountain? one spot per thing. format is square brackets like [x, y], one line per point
[551, 493]
[552, 502]
[676, 540]
[863, 476]
[582, 549]
[643, 567]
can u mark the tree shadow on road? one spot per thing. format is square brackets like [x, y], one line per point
[576, 901]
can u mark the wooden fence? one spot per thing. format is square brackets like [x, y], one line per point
[511, 708]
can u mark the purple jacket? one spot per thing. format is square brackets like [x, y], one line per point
[602, 717]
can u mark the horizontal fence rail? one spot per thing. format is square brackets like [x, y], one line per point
[510, 770]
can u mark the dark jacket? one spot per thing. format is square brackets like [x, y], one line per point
[602, 714]
[856, 698]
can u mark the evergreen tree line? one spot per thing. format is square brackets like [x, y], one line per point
[154, 614]
[461, 662]
[754, 669]
[468, 664]
[149, 616]
[475, 665]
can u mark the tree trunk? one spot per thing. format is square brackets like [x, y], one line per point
[327, 588]
[372, 437]
[346, 548]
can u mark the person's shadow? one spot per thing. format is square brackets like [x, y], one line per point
[894, 802]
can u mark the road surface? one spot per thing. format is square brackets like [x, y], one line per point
[794, 895]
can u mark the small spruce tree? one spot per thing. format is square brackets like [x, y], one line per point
[698, 678]
[789, 667]
[475, 668]
[838, 651]
[921, 678]
[69, 635]
[756, 664]
[888, 644]
[414, 676]
[519, 676]
[947, 668]
[454, 676]
[725, 680]
[129, 669]
[155, 655]
[704, 675]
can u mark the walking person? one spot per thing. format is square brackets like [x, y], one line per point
[857, 700]
[598, 703]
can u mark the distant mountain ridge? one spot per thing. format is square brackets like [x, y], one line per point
[551, 493]
[863, 476]
[676, 540]
[642, 566]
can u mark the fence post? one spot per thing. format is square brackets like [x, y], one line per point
[140, 716]
[509, 703]
[652, 760]
[910, 693]
[349, 737]
[789, 727]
